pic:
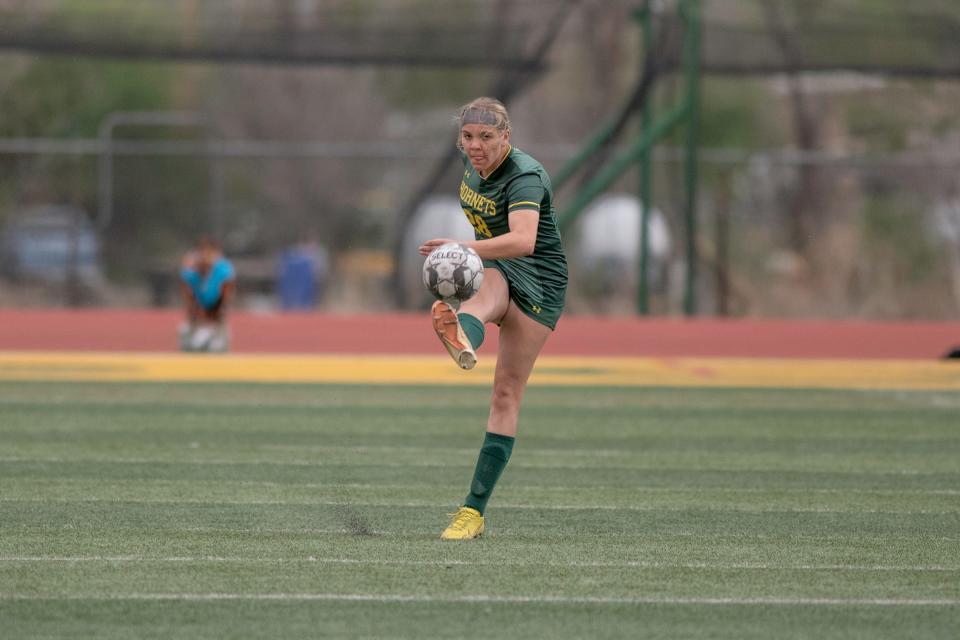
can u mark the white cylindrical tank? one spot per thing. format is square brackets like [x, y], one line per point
[607, 247]
[438, 216]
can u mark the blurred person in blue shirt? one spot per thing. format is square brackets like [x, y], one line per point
[301, 275]
[208, 283]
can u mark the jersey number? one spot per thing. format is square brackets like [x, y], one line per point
[478, 223]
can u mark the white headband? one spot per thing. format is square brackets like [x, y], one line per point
[475, 115]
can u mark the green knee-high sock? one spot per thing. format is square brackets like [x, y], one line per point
[473, 328]
[494, 454]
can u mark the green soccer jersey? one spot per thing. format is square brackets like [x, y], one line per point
[538, 281]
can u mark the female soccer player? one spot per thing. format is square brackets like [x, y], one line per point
[507, 197]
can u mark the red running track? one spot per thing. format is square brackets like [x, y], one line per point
[155, 330]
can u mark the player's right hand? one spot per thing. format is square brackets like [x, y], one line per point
[430, 245]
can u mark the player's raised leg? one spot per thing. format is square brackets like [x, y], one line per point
[452, 336]
[461, 332]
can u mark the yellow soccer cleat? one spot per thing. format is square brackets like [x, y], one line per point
[467, 524]
[451, 334]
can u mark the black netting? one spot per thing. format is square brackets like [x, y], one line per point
[919, 37]
[477, 33]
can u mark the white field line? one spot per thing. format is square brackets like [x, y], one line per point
[505, 505]
[633, 489]
[466, 463]
[535, 453]
[670, 535]
[594, 488]
[280, 531]
[491, 599]
[627, 564]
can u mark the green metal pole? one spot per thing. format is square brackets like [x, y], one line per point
[646, 174]
[616, 168]
[690, 10]
[598, 140]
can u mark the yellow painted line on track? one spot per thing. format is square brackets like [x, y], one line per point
[550, 370]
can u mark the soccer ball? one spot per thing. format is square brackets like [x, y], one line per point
[453, 273]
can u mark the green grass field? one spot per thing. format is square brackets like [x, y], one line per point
[284, 511]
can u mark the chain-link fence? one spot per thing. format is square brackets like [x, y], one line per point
[881, 237]
[832, 198]
[258, 198]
